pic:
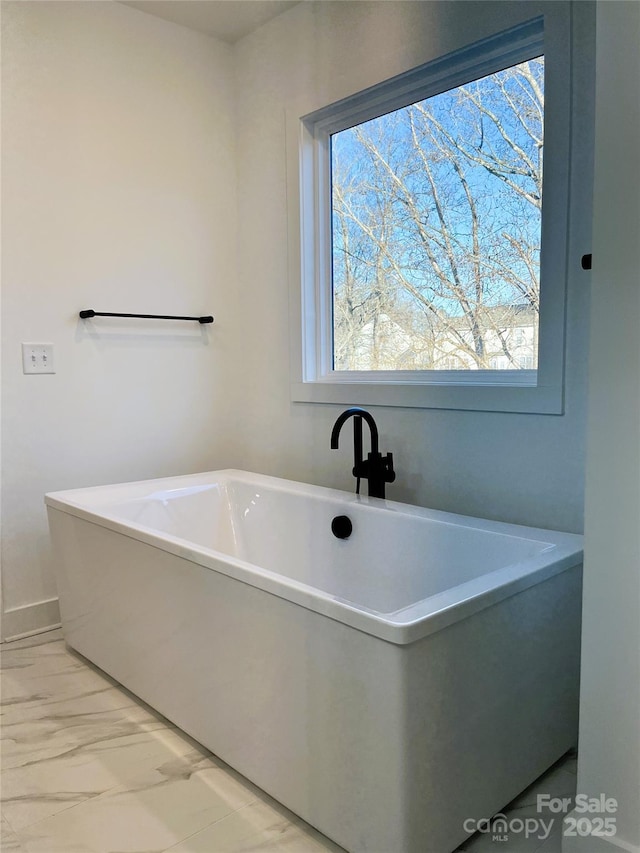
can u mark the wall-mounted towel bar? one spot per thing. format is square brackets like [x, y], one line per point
[90, 313]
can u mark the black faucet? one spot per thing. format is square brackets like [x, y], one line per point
[376, 468]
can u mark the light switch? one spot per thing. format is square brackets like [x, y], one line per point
[37, 358]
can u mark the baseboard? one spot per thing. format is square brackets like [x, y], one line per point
[595, 843]
[30, 619]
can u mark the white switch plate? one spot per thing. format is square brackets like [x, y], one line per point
[37, 358]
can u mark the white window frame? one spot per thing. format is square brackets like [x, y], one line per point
[313, 378]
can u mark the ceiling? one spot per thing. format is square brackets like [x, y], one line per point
[228, 20]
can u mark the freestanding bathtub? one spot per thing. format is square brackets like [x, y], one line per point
[385, 687]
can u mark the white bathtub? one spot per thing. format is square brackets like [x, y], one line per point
[385, 687]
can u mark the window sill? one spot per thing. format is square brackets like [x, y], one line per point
[474, 397]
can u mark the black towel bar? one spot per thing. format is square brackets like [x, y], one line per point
[90, 313]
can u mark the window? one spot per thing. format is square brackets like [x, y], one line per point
[432, 275]
[436, 212]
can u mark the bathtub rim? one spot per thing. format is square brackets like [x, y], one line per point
[401, 627]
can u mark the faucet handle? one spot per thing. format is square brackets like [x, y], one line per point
[389, 473]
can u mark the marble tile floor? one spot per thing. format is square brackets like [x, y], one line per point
[88, 768]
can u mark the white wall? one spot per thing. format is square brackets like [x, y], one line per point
[609, 751]
[118, 195]
[520, 468]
